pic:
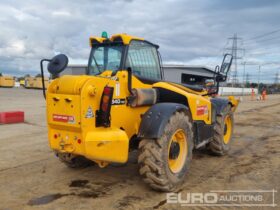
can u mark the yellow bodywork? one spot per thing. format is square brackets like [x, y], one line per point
[7, 81]
[29, 82]
[72, 102]
[38, 83]
[71, 97]
[125, 38]
[22, 82]
[234, 102]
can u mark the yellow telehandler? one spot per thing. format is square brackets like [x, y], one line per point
[7, 81]
[124, 103]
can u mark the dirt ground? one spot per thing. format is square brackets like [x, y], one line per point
[31, 177]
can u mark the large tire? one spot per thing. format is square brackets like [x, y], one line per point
[223, 129]
[73, 161]
[159, 166]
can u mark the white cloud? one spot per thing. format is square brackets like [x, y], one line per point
[189, 32]
[61, 13]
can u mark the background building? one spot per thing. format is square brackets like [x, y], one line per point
[174, 73]
[187, 74]
[74, 69]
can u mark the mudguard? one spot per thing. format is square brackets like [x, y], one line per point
[156, 118]
[219, 104]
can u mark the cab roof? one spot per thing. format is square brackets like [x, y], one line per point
[123, 38]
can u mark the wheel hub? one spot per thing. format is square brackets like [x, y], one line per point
[174, 150]
[177, 151]
[225, 129]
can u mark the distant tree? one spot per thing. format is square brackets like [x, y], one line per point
[27, 75]
[262, 86]
[247, 84]
[254, 85]
[1, 74]
[38, 75]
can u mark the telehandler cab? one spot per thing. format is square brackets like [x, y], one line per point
[124, 103]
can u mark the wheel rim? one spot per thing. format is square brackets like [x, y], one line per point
[177, 151]
[227, 129]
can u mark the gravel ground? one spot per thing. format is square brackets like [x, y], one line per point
[31, 177]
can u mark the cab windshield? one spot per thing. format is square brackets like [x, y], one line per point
[105, 57]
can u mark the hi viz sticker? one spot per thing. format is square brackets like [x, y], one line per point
[63, 118]
[201, 110]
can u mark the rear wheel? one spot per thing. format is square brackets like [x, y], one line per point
[165, 161]
[220, 144]
[73, 161]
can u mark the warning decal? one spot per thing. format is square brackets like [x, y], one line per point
[89, 113]
[63, 118]
[201, 110]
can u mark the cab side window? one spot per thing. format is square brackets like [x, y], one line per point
[143, 59]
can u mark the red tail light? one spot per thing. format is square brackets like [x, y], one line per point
[103, 114]
[105, 102]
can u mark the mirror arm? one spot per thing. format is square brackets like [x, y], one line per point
[217, 87]
[131, 97]
[42, 76]
[129, 80]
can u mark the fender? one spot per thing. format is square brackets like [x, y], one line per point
[219, 104]
[156, 118]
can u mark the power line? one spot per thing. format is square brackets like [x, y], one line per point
[222, 49]
[263, 35]
[260, 51]
[260, 41]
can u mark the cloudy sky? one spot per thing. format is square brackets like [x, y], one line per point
[188, 32]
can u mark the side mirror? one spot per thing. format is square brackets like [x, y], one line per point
[220, 73]
[57, 64]
[226, 64]
[221, 78]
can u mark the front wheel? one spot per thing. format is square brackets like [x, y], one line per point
[223, 131]
[165, 161]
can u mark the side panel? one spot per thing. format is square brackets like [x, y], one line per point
[122, 115]
[200, 106]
